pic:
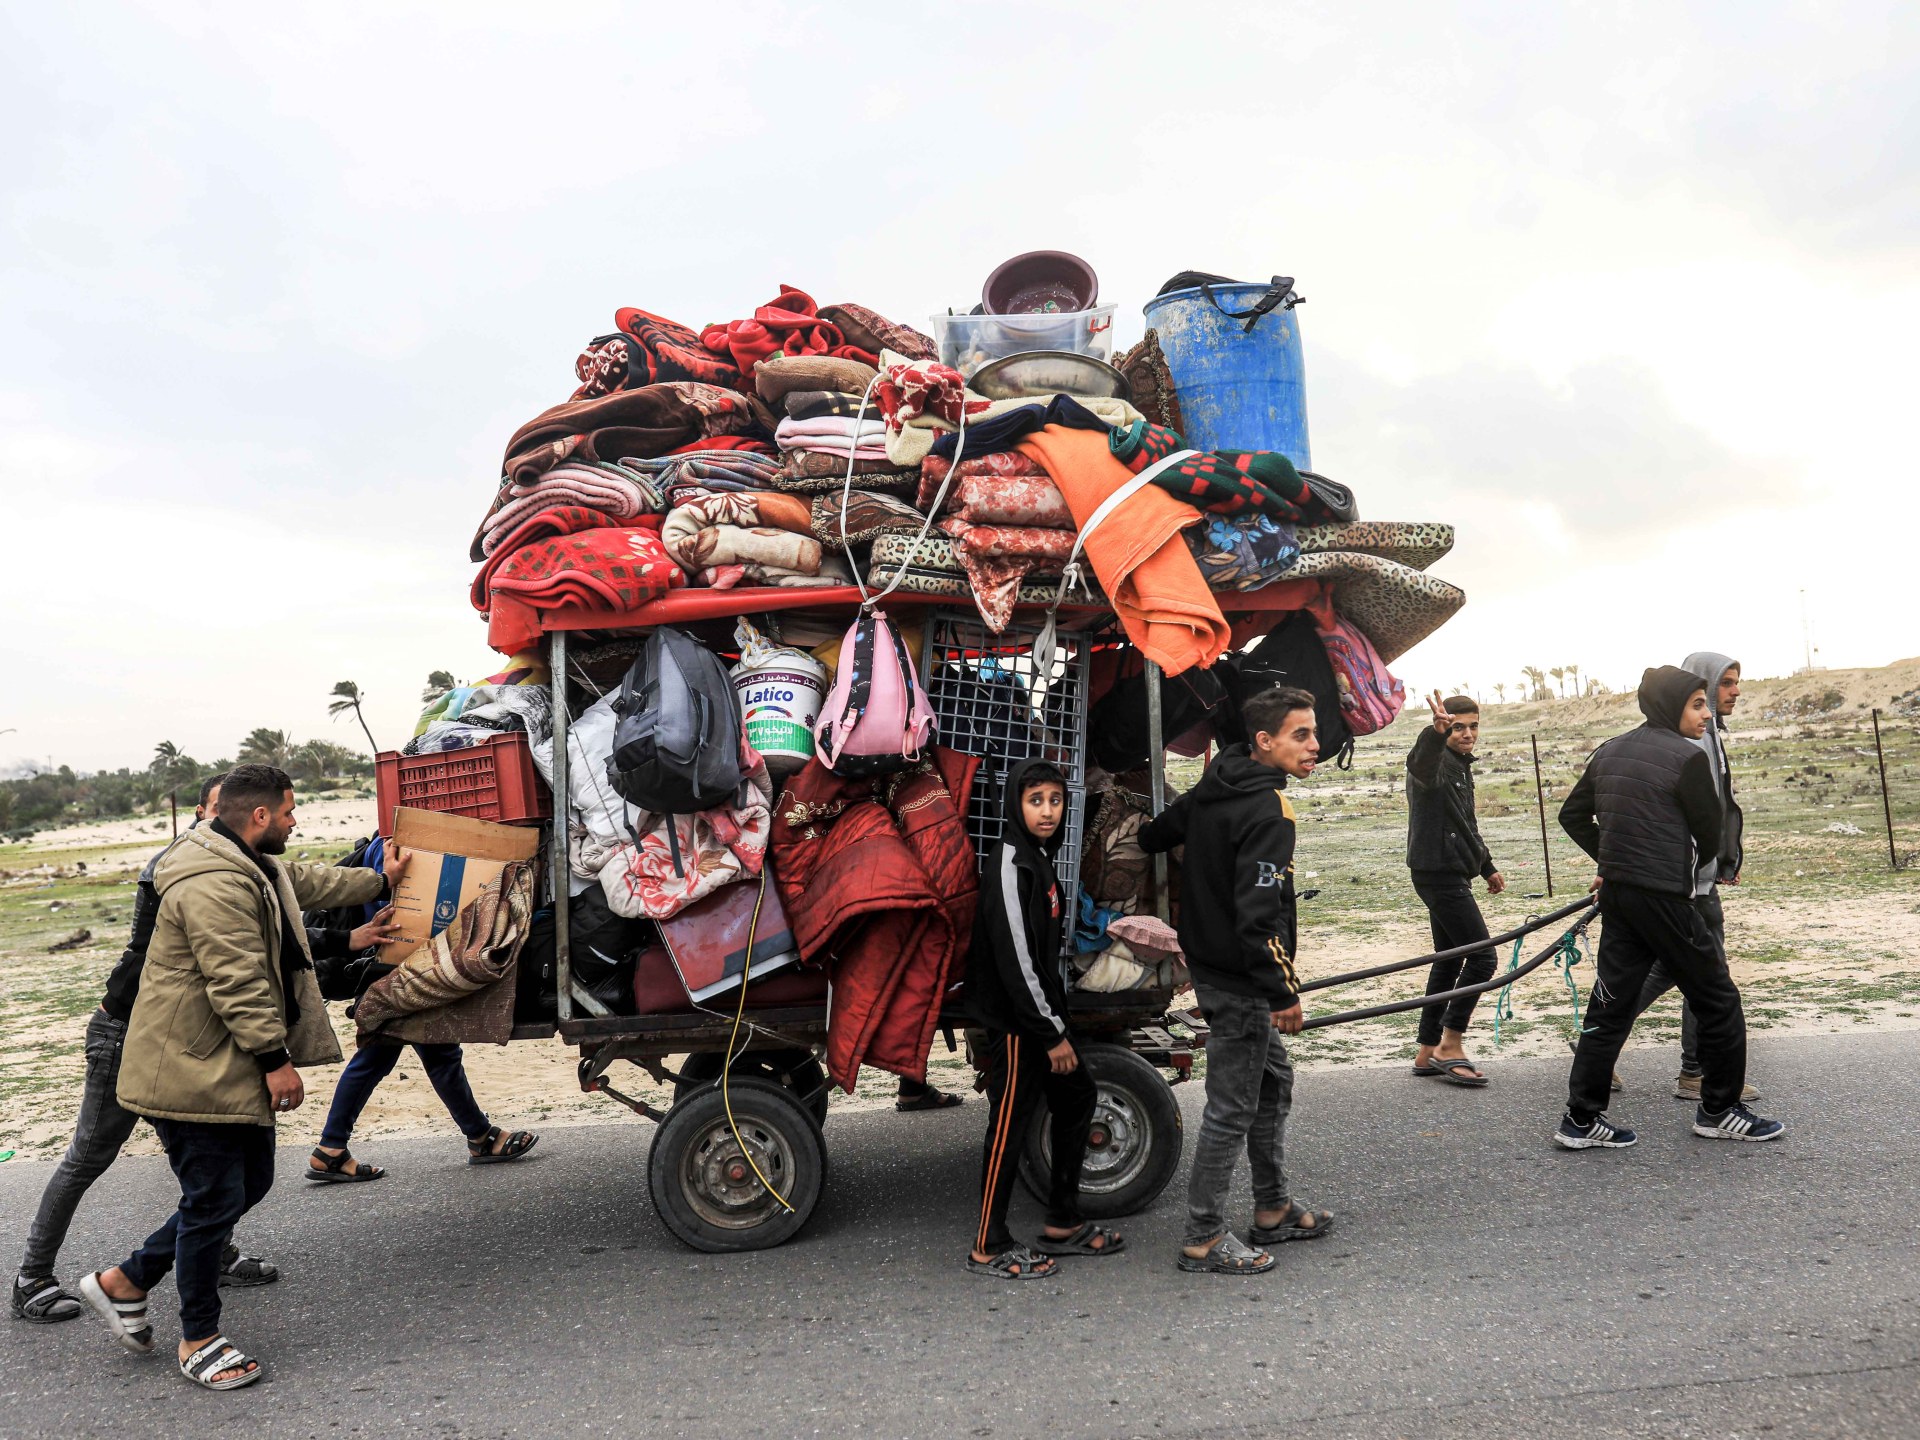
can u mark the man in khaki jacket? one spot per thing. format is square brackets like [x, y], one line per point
[228, 1007]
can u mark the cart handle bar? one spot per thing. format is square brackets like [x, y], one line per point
[1399, 1007]
[1473, 947]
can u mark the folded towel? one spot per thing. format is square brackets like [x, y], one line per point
[1137, 552]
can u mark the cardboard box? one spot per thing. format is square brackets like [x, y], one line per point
[454, 858]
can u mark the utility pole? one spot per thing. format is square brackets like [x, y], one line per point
[1540, 796]
[1886, 804]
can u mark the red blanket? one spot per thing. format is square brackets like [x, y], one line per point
[548, 525]
[620, 569]
[788, 324]
[878, 877]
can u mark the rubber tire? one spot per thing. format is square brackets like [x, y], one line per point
[758, 1102]
[1116, 1069]
[795, 1070]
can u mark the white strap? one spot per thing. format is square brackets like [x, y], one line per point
[868, 602]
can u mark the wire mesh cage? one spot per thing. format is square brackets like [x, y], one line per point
[991, 700]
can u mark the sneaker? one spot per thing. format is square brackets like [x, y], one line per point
[1602, 1134]
[1687, 1087]
[1736, 1123]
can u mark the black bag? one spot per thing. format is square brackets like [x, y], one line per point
[1292, 653]
[1117, 724]
[535, 981]
[343, 977]
[601, 949]
[676, 746]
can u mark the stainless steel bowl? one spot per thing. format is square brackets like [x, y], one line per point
[1048, 372]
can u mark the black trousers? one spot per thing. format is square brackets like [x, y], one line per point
[1019, 1077]
[1456, 920]
[1640, 928]
[224, 1171]
[1659, 982]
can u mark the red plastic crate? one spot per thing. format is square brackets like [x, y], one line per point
[491, 781]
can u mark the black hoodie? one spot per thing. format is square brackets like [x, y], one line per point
[1646, 808]
[1016, 973]
[1236, 881]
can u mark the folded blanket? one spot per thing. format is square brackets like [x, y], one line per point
[722, 530]
[778, 375]
[1156, 589]
[457, 988]
[868, 514]
[1028, 542]
[646, 422]
[789, 324]
[839, 429]
[647, 349]
[923, 399]
[861, 450]
[543, 525]
[812, 404]
[619, 569]
[1232, 482]
[1008, 422]
[1004, 489]
[872, 331]
[1242, 552]
[620, 494]
[833, 571]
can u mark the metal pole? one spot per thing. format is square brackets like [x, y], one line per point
[1886, 804]
[1540, 798]
[173, 806]
[1157, 781]
[558, 868]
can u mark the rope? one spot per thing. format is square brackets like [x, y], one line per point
[1503, 1004]
[1566, 955]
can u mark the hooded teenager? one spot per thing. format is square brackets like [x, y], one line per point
[1647, 810]
[1017, 990]
[1722, 674]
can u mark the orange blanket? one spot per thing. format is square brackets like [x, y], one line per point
[1143, 565]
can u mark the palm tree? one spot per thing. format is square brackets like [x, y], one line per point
[166, 755]
[1559, 674]
[267, 747]
[1537, 679]
[439, 682]
[1573, 679]
[1500, 691]
[347, 697]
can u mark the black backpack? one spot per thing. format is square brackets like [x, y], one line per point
[676, 745]
[1292, 653]
[1117, 725]
[344, 977]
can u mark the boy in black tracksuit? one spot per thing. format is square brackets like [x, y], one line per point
[1647, 810]
[1237, 931]
[1444, 853]
[1017, 989]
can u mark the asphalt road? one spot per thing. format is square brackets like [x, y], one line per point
[1481, 1284]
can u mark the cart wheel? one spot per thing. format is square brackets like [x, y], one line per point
[794, 1070]
[701, 1180]
[1133, 1145]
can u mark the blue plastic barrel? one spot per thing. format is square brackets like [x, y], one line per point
[1240, 388]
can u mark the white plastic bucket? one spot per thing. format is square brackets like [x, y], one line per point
[780, 691]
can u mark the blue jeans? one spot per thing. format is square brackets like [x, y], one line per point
[103, 1127]
[373, 1063]
[224, 1171]
[1249, 1095]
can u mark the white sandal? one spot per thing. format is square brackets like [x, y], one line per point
[126, 1319]
[216, 1355]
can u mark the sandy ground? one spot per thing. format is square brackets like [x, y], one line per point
[109, 846]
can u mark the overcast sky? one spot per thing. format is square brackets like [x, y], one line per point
[1626, 295]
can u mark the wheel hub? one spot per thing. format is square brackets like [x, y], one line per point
[722, 1185]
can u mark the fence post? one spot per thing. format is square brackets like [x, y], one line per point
[1886, 803]
[1540, 798]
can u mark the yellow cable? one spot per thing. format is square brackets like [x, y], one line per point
[739, 1014]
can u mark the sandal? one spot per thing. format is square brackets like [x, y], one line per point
[1423, 1071]
[481, 1151]
[216, 1355]
[1228, 1257]
[1299, 1223]
[1080, 1242]
[1450, 1071]
[43, 1301]
[126, 1319]
[1016, 1263]
[334, 1171]
[245, 1270]
[930, 1099]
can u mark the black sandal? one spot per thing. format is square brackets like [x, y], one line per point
[481, 1151]
[1080, 1242]
[335, 1172]
[1016, 1263]
[932, 1098]
[1290, 1227]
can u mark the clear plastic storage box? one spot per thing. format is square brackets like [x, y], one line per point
[969, 341]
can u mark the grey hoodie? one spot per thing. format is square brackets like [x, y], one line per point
[1710, 666]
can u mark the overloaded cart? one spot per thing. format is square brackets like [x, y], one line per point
[787, 599]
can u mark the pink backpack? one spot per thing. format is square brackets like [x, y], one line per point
[1370, 698]
[876, 717]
